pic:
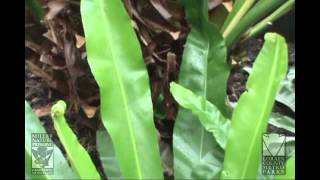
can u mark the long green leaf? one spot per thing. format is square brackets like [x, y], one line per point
[208, 114]
[107, 155]
[204, 66]
[215, 123]
[263, 24]
[250, 117]
[80, 159]
[286, 92]
[239, 9]
[116, 62]
[204, 71]
[212, 119]
[61, 169]
[256, 13]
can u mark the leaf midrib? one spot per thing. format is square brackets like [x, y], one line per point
[273, 74]
[123, 95]
[237, 17]
[205, 56]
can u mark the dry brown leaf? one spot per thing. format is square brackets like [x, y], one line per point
[171, 63]
[83, 55]
[144, 35]
[38, 71]
[214, 3]
[54, 8]
[90, 111]
[175, 8]
[147, 53]
[43, 111]
[132, 11]
[152, 23]
[53, 83]
[158, 58]
[70, 52]
[33, 46]
[79, 41]
[233, 62]
[228, 5]
[175, 35]
[93, 98]
[162, 11]
[49, 59]
[51, 34]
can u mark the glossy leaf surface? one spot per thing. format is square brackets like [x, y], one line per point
[204, 71]
[209, 115]
[253, 16]
[213, 120]
[250, 117]
[116, 62]
[80, 159]
[107, 155]
[286, 92]
[240, 8]
[60, 165]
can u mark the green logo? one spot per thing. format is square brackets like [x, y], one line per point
[42, 154]
[273, 154]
